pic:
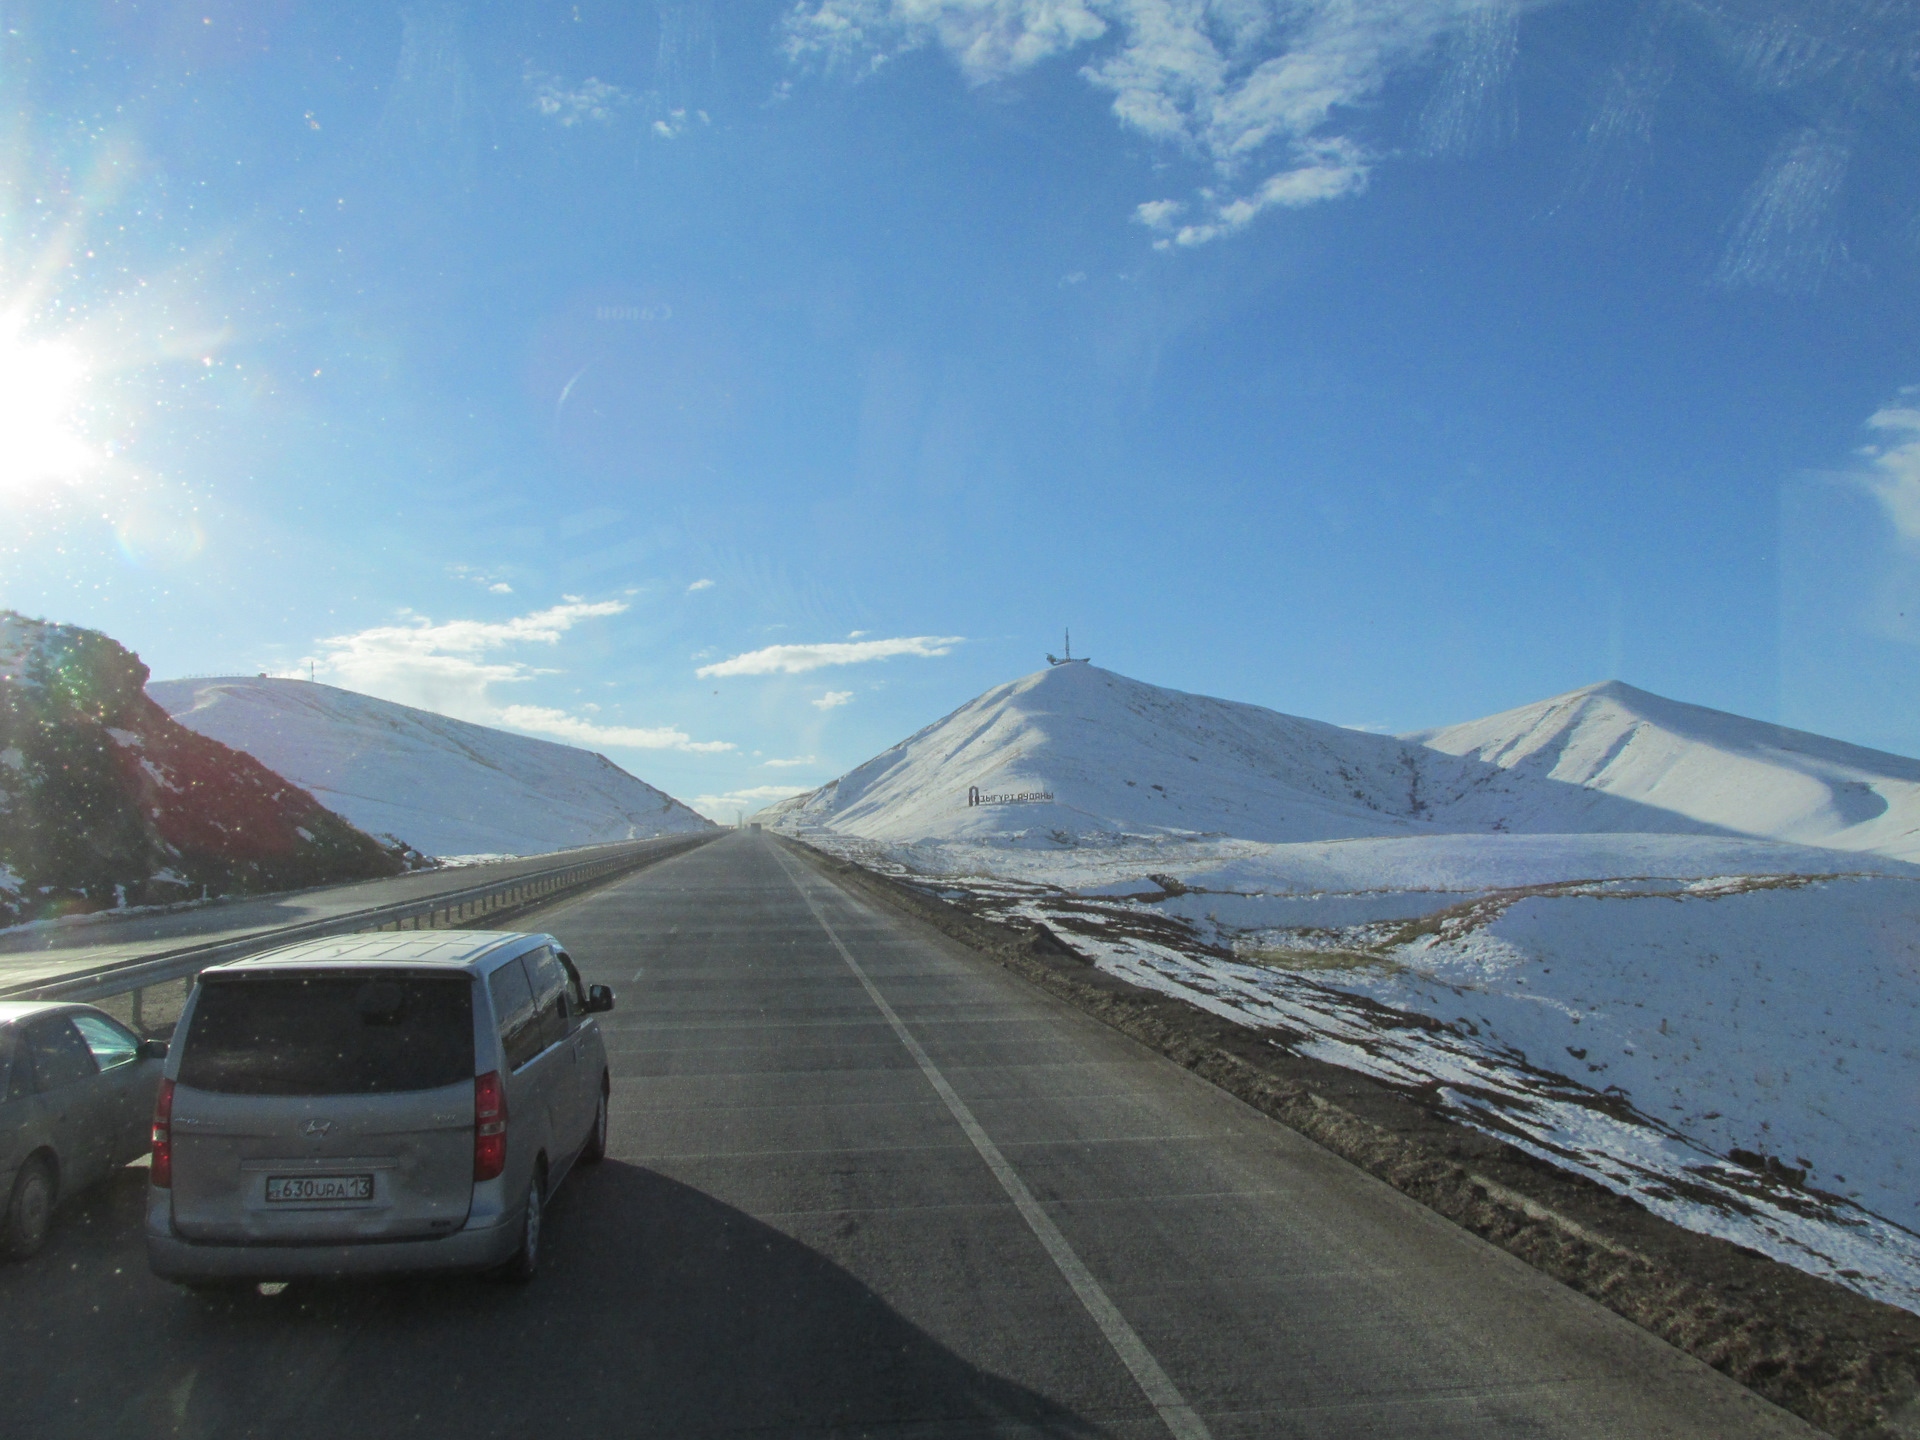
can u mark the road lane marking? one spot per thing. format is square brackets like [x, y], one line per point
[1180, 1417]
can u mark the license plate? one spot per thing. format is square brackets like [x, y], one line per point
[319, 1187]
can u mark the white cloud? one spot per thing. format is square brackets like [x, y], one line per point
[1159, 214]
[989, 38]
[798, 659]
[735, 802]
[675, 123]
[499, 587]
[1327, 170]
[787, 764]
[591, 99]
[450, 668]
[832, 700]
[1894, 475]
[699, 585]
[543, 721]
[1222, 80]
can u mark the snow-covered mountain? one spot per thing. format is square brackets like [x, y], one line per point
[444, 786]
[1719, 769]
[1090, 753]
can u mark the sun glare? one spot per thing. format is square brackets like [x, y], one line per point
[42, 385]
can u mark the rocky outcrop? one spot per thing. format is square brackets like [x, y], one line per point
[106, 802]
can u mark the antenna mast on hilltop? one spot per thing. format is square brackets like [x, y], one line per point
[1069, 658]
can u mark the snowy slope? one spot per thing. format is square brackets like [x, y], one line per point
[444, 786]
[1121, 758]
[105, 802]
[1708, 766]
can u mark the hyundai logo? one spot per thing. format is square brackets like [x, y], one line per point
[316, 1129]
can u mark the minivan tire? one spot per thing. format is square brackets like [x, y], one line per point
[23, 1230]
[595, 1149]
[525, 1263]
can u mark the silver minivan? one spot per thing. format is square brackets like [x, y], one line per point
[374, 1104]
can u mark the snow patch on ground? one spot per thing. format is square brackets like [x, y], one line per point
[1733, 1051]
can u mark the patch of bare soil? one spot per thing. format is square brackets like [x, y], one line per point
[1845, 1363]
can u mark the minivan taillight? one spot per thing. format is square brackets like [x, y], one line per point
[162, 1172]
[489, 1126]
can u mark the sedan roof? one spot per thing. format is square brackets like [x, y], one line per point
[12, 1010]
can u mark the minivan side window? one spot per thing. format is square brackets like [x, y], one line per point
[60, 1056]
[550, 994]
[520, 1035]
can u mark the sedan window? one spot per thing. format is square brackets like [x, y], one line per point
[60, 1056]
[111, 1043]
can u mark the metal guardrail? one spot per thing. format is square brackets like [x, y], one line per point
[133, 977]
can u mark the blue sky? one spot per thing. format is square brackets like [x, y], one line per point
[1390, 364]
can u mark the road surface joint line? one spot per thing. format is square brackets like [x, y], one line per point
[1179, 1417]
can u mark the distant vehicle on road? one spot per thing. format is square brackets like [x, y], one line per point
[76, 1088]
[375, 1104]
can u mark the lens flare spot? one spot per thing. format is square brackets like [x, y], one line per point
[150, 532]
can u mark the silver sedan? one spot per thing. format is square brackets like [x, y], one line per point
[76, 1102]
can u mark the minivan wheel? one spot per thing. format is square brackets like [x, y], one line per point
[525, 1263]
[596, 1149]
[29, 1210]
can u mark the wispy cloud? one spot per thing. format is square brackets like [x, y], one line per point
[487, 579]
[746, 801]
[1473, 106]
[832, 700]
[1787, 236]
[699, 585]
[572, 103]
[788, 764]
[1226, 81]
[1893, 473]
[798, 659]
[451, 668]
[674, 123]
[1327, 170]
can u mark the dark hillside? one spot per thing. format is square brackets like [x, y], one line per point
[105, 801]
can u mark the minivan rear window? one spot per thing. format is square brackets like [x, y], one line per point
[329, 1034]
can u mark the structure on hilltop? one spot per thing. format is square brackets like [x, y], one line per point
[1069, 658]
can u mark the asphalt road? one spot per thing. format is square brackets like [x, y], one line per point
[865, 1183]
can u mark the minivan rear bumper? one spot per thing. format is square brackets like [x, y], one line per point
[482, 1245]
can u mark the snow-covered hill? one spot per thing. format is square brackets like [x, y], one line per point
[444, 786]
[1706, 765]
[105, 802]
[1096, 756]
[1622, 922]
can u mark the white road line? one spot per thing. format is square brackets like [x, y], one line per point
[1180, 1417]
